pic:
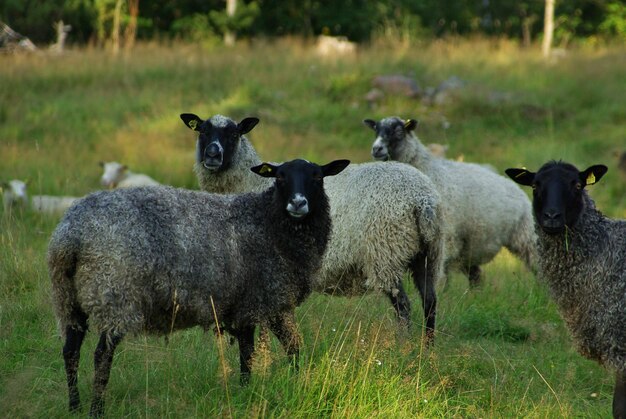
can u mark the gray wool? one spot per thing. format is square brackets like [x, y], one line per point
[484, 211]
[157, 259]
[585, 269]
[383, 214]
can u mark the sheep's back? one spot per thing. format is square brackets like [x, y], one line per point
[483, 207]
[374, 208]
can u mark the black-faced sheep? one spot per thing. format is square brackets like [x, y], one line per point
[157, 259]
[386, 217]
[117, 175]
[484, 211]
[582, 256]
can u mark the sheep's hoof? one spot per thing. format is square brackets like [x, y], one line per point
[474, 276]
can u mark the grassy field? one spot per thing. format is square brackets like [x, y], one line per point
[501, 350]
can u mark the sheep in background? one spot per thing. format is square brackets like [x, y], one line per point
[485, 211]
[15, 195]
[582, 257]
[158, 259]
[117, 175]
[437, 150]
[386, 217]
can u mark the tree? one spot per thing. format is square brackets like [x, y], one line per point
[548, 28]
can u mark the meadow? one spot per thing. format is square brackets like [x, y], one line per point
[501, 350]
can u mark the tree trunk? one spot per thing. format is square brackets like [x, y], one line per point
[131, 30]
[115, 31]
[231, 8]
[548, 28]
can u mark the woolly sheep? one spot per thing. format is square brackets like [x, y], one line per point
[484, 211]
[386, 217]
[158, 259]
[582, 257]
[117, 175]
[15, 195]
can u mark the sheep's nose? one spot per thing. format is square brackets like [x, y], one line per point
[213, 150]
[298, 202]
[377, 149]
[298, 206]
[552, 214]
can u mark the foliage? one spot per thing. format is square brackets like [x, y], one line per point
[358, 20]
[614, 23]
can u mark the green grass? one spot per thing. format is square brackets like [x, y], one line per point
[501, 350]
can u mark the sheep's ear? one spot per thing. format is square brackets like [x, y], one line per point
[592, 174]
[370, 123]
[191, 120]
[521, 176]
[101, 163]
[410, 124]
[246, 125]
[265, 170]
[334, 167]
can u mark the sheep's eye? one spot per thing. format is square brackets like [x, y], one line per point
[317, 177]
[534, 186]
[280, 177]
[579, 185]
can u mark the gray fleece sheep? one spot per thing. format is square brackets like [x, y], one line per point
[386, 217]
[484, 211]
[582, 256]
[157, 259]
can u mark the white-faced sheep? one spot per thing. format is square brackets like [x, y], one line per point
[158, 259]
[386, 217]
[484, 211]
[15, 195]
[117, 175]
[582, 257]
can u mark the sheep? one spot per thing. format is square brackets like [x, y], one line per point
[386, 218]
[157, 259]
[582, 257]
[481, 222]
[16, 196]
[117, 175]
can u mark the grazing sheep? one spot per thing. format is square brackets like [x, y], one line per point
[582, 256]
[117, 175]
[16, 195]
[386, 217]
[485, 211]
[158, 259]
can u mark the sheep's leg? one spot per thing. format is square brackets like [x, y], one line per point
[103, 358]
[401, 304]
[245, 337]
[423, 277]
[619, 396]
[474, 275]
[74, 336]
[285, 329]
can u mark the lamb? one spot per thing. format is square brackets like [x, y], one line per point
[16, 196]
[485, 211]
[158, 259]
[582, 257]
[386, 218]
[117, 175]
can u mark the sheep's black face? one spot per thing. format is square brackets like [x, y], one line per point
[300, 184]
[218, 139]
[391, 133]
[557, 193]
